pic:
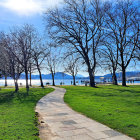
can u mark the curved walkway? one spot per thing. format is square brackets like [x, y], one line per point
[59, 122]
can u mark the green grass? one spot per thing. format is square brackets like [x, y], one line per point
[116, 106]
[17, 115]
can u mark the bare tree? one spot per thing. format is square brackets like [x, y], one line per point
[39, 54]
[13, 67]
[4, 71]
[109, 57]
[79, 23]
[24, 41]
[137, 51]
[3, 58]
[122, 22]
[71, 66]
[52, 62]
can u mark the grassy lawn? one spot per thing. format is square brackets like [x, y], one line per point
[116, 106]
[17, 115]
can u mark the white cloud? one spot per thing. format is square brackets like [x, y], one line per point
[28, 7]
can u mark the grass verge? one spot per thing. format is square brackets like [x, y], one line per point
[115, 106]
[17, 115]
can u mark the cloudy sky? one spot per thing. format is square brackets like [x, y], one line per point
[18, 12]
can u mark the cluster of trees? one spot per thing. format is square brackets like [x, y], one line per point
[22, 51]
[91, 34]
[101, 33]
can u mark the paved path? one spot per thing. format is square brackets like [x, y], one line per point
[59, 122]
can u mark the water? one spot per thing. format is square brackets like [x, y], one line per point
[57, 82]
[37, 82]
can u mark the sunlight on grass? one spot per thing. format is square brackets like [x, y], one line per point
[17, 115]
[116, 106]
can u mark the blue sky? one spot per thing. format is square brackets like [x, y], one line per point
[19, 12]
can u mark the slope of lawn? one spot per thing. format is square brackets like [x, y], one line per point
[17, 115]
[116, 106]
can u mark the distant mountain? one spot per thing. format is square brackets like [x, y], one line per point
[79, 75]
[128, 74]
[61, 75]
[98, 77]
[58, 75]
[119, 75]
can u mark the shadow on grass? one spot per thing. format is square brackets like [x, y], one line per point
[31, 96]
[6, 97]
[115, 91]
[126, 90]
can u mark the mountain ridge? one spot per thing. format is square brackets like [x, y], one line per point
[61, 75]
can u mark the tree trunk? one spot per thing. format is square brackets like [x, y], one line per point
[5, 81]
[30, 74]
[41, 82]
[92, 80]
[91, 77]
[53, 83]
[114, 78]
[26, 76]
[30, 78]
[74, 83]
[16, 86]
[123, 77]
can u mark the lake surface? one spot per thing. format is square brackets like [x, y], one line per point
[37, 82]
[57, 82]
